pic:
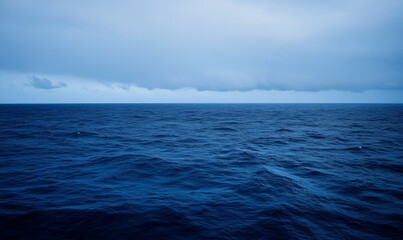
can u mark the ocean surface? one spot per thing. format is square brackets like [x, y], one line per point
[201, 171]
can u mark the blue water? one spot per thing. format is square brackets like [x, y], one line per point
[166, 171]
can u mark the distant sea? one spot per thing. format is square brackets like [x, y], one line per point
[201, 171]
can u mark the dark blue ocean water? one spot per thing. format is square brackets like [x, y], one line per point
[166, 171]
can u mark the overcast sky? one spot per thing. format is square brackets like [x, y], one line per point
[201, 51]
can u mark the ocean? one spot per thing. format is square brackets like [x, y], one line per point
[201, 171]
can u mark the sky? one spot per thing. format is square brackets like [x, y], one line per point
[54, 51]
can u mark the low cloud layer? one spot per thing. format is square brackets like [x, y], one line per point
[14, 89]
[44, 83]
[219, 45]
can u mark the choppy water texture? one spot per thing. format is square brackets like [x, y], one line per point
[162, 171]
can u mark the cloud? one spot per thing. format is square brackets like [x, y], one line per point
[14, 89]
[219, 45]
[44, 83]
